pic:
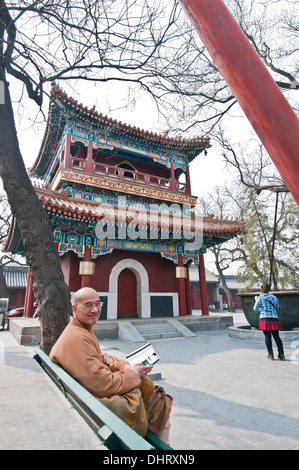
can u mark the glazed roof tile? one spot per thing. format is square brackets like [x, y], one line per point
[215, 230]
[62, 107]
[60, 202]
[91, 115]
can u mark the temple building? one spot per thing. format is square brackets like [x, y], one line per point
[122, 213]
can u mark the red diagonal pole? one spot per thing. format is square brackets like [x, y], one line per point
[266, 108]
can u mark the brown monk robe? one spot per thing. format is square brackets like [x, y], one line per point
[114, 382]
[78, 352]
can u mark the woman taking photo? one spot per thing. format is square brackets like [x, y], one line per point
[267, 304]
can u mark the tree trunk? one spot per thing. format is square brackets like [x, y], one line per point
[224, 285]
[227, 291]
[50, 291]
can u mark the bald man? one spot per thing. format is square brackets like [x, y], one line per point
[78, 352]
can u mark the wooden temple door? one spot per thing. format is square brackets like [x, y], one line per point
[127, 294]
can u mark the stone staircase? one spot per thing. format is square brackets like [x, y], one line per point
[138, 331]
[159, 330]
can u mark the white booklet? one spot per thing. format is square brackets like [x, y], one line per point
[145, 355]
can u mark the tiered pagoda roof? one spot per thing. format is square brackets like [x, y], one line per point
[62, 107]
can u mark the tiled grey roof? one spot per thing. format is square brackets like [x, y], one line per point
[16, 276]
[194, 276]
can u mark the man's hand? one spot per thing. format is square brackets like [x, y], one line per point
[142, 370]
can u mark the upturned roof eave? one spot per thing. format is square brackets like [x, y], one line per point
[63, 107]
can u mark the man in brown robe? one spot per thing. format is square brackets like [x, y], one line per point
[78, 352]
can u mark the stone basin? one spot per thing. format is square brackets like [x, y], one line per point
[288, 312]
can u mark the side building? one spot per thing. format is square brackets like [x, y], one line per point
[16, 282]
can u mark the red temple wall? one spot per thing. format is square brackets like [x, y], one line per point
[161, 272]
[70, 268]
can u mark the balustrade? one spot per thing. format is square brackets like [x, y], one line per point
[124, 174]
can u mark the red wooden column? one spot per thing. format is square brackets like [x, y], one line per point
[172, 176]
[67, 152]
[265, 106]
[188, 292]
[87, 268]
[89, 166]
[203, 286]
[188, 182]
[181, 276]
[29, 297]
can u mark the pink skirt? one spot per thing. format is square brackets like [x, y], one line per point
[270, 325]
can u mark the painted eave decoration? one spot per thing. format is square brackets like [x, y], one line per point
[215, 231]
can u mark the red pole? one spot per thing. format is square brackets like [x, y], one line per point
[67, 152]
[172, 177]
[203, 286]
[266, 108]
[89, 165]
[29, 297]
[188, 293]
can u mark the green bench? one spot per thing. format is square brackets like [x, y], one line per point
[112, 431]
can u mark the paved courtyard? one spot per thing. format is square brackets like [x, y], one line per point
[227, 395]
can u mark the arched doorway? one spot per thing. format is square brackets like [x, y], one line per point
[127, 294]
[142, 288]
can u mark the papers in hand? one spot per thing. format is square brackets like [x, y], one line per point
[145, 355]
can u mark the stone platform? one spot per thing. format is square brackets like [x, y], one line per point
[26, 331]
[253, 334]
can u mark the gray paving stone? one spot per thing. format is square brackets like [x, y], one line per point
[227, 396]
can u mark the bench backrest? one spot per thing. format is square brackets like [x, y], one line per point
[115, 434]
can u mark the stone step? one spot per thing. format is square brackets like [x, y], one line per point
[150, 336]
[158, 331]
